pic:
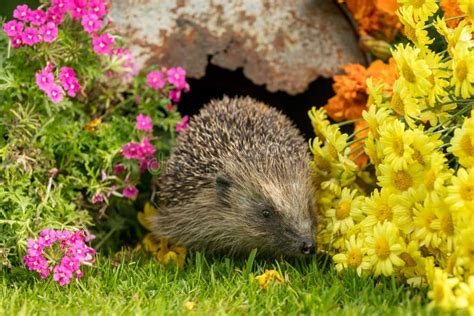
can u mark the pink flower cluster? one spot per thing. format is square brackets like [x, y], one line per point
[61, 252]
[32, 26]
[175, 76]
[183, 124]
[46, 81]
[43, 25]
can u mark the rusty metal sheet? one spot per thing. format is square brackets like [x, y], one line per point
[283, 44]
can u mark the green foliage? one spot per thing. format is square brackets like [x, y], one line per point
[54, 158]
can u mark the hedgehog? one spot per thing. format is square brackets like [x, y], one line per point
[237, 180]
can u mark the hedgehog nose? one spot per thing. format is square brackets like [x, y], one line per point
[307, 247]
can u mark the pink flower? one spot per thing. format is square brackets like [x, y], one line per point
[155, 79]
[22, 13]
[13, 28]
[17, 41]
[147, 148]
[66, 73]
[183, 124]
[70, 263]
[69, 81]
[49, 31]
[98, 7]
[97, 198]
[61, 5]
[130, 192]
[62, 275]
[91, 23]
[48, 237]
[132, 151]
[177, 77]
[77, 8]
[44, 79]
[102, 44]
[144, 123]
[37, 17]
[30, 37]
[55, 93]
[55, 15]
[118, 169]
[175, 95]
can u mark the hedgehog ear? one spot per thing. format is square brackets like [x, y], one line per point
[223, 184]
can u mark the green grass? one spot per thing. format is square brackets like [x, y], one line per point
[136, 286]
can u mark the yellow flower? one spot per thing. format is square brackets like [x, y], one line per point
[464, 242]
[462, 65]
[269, 276]
[436, 114]
[444, 224]
[345, 211]
[441, 292]
[149, 243]
[439, 78]
[435, 178]
[400, 180]
[403, 210]
[379, 207]
[396, 147]
[354, 256]
[461, 192]
[461, 35]
[375, 118]
[373, 149]
[414, 267]
[189, 305]
[414, 29]
[414, 71]
[384, 248]
[423, 146]
[465, 295]
[170, 253]
[319, 120]
[422, 9]
[467, 6]
[425, 231]
[404, 104]
[92, 124]
[462, 143]
[145, 216]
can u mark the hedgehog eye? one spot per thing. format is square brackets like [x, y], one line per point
[266, 213]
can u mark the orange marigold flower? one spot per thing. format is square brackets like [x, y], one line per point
[451, 9]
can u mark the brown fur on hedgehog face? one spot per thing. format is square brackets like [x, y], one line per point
[271, 209]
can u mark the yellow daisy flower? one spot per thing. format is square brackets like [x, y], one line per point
[436, 114]
[400, 180]
[269, 276]
[403, 210]
[465, 295]
[414, 29]
[414, 71]
[467, 6]
[319, 120]
[461, 192]
[404, 104]
[373, 149]
[396, 143]
[460, 35]
[462, 65]
[345, 211]
[423, 217]
[354, 256]
[422, 9]
[441, 293]
[379, 207]
[435, 178]
[376, 117]
[464, 243]
[462, 143]
[423, 146]
[443, 223]
[439, 78]
[384, 248]
[414, 267]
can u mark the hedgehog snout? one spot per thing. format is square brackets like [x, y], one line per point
[308, 247]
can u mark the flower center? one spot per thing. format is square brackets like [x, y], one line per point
[469, 247]
[461, 70]
[418, 3]
[343, 210]
[354, 258]
[466, 145]
[382, 249]
[384, 212]
[447, 225]
[397, 104]
[467, 192]
[430, 179]
[417, 156]
[408, 73]
[402, 180]
[409, 261]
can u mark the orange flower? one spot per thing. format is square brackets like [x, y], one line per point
[451, 9]
[375, 17]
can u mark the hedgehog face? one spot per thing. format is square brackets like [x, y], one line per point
[275, 217]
